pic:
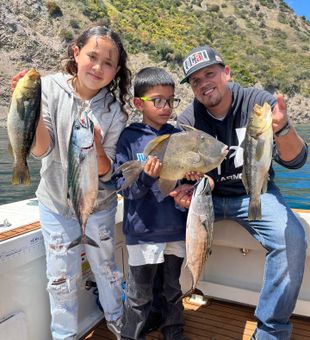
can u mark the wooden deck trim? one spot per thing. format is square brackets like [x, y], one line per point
[218, 320]
[5, 235]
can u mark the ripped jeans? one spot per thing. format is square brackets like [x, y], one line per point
[64, 268]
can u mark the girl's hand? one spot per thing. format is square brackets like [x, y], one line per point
[104, 163]
[152, 167]
[193, 176]
[16, 78]
[97, 138]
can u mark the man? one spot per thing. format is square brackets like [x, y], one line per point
[222, 109]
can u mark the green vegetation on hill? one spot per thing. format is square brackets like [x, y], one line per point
[261, 40]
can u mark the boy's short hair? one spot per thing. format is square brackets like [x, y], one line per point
[149, 77]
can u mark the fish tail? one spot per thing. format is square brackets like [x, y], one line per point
[89, 241]
[75, 242]
[188, 293]
[21, 174]
[83, 240]
[255, 210]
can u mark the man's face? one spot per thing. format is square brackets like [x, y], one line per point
[210, 86]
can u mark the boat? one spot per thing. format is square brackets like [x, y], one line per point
[231, 281]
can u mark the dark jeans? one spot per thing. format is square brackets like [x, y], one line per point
[139, 297]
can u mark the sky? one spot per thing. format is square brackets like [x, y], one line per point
[301, 7]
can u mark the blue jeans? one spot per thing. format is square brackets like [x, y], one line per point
[283, 236]
[64, 268]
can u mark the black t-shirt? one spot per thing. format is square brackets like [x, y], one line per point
[231, 131]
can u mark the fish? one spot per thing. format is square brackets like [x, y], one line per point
[179, 153]
[199, 231]
[257, 157]
[82, 173]
[23, 117]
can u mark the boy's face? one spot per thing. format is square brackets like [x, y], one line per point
[153, 116]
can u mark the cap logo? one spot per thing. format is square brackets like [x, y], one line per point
[194, 59]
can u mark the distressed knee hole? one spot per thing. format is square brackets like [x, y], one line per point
[57, 244]
[62, 288]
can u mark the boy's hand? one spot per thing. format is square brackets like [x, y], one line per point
[152, 167]
[16, 78]
[193, 176]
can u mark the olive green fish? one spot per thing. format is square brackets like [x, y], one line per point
[179, 153]
[257, 157]
[22, 121]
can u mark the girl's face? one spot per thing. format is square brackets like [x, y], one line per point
[97, 65]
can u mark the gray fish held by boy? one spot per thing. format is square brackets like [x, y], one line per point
[22, 121]
[179, 153]
[82, 174]
[257, 157]
[199, 231]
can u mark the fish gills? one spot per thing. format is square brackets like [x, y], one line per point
[22, 121]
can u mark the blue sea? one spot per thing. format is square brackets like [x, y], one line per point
[294, 184]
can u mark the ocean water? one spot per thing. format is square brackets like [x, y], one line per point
[294, 184]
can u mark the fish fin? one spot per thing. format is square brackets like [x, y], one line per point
[21, 174]
[154, 143]
[259, 149]
[20, 107]
[186, 127]
[193, 157]
[130, 171]
[75, 242]
[10, 149]
[255, 210]
[166, 186]
[245, 181]
[265, 184]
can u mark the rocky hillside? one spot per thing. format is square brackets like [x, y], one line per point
[263, 41]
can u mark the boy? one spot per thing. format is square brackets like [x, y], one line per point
[154, 228]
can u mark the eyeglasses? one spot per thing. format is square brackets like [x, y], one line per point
[160, 103]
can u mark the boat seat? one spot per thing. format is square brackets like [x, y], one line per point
[228, 233]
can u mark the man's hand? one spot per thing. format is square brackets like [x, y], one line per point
[193, 176]
[279, 114]
[152, 167]
[16, 78]
[182, 195]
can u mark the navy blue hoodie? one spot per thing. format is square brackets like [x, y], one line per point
[148, 216]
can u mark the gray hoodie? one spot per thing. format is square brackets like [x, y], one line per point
[59, 106]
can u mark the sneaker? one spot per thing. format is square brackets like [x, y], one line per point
[152, 323]
[115, 327]
[173, 333]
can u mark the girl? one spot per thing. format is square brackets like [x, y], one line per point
[94, 70]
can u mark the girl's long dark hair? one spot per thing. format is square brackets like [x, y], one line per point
[122, 79]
